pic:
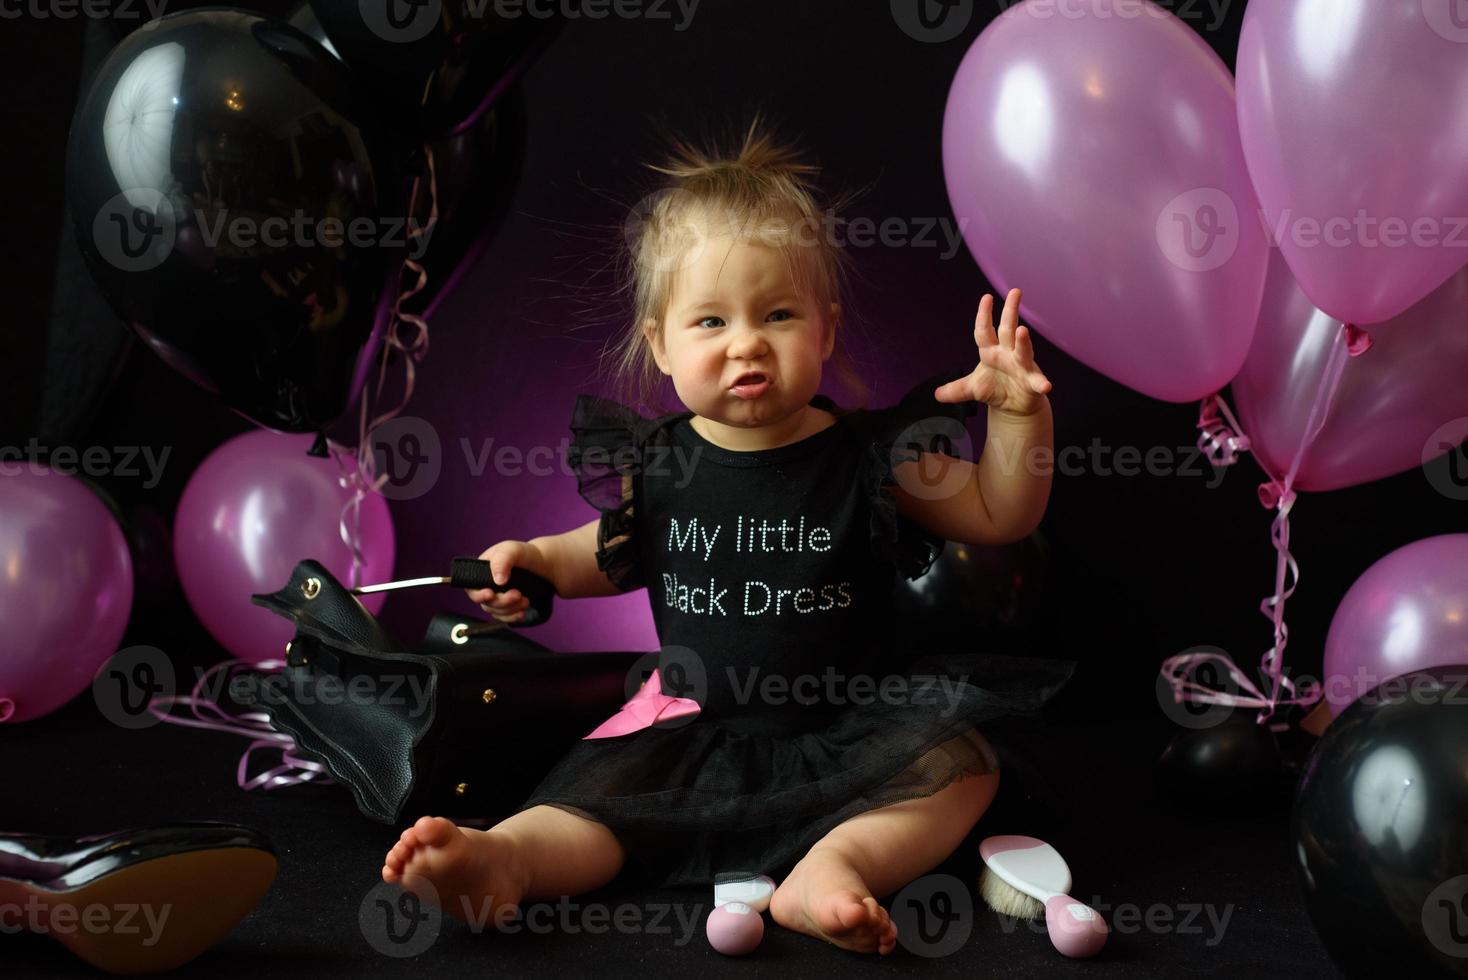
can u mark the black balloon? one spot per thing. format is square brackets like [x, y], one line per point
[233, 198]
[1234, 764]
[435, 65]
[475, 172]
[1380, 829]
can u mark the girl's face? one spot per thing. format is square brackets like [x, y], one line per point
[734, 312]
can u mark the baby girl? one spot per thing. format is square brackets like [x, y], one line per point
[845, 798]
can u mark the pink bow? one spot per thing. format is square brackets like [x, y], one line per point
[647, 707]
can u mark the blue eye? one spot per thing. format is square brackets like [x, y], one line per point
[786, 312]
[707, 318]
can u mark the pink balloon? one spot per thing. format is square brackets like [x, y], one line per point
[1407, 612]
[1354, 109]
[1093, 160]
[66, 589]
[254, 508]
[1391, 399]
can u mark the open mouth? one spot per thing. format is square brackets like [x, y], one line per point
[750, 384]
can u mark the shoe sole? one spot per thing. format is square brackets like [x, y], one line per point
[166, 910]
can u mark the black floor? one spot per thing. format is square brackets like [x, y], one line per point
[1186, 895]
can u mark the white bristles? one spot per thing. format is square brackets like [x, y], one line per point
[1005, 899]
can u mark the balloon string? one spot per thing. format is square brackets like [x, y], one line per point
[256, 724]
[361, 477]
[1222, 441]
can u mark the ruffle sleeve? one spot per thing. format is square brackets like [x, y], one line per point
[892, 436]
[604, 454]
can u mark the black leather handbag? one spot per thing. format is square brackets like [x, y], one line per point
[465, 725]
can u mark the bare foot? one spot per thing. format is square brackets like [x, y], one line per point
[476, 874]
[823, 896]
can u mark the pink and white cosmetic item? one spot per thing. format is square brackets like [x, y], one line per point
[1025, 877]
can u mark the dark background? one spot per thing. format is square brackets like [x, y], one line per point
[1139, 568]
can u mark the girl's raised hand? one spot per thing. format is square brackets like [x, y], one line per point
[1007, 377]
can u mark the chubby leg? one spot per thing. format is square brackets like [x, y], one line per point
[477, 875]
[830, 893]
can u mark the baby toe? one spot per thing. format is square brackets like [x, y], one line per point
[434, 831]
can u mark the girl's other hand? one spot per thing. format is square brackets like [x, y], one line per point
[508, 606]
[1007, 377]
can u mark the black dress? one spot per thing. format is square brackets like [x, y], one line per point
[769, 575]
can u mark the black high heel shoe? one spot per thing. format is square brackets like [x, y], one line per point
[135, 901]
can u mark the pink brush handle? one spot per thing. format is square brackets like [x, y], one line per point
[1075, 929]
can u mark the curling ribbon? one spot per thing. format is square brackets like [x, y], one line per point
[1222, 440]
[254, 724]
[360, 476]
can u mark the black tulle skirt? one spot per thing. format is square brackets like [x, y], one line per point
[716, 795]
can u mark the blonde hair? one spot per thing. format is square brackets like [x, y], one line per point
[762, 192]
